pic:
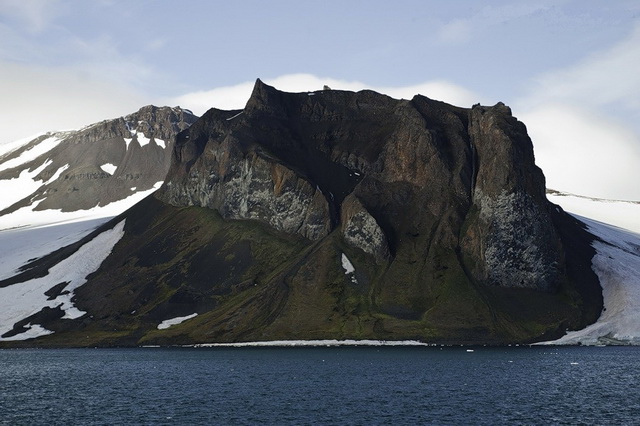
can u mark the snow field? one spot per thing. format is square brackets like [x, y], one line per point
[31, 154]
[27, 234]
[617, 264]
[19, 301]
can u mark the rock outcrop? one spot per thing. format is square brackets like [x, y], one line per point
[383, 170]
[438, 211]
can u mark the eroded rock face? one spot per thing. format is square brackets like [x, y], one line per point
[252, 187]
[510, 238]
[361, 230]
[385, 171]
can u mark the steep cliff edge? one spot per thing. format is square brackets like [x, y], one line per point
[411, 167]
[335, 214]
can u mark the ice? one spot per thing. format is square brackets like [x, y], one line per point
[31, 154]
[617, 264]
[21, 300]
[109, 168]
[175, 321]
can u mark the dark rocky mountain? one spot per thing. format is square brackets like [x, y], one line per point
[334, 214]
[101, 163]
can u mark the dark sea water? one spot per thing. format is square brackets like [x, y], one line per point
[345, 385]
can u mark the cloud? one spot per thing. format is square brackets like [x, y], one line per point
[236, 96]
[46, 99]
[33, 15]
[584, 152]
[573, 116]
[604, 78]
[463, 30]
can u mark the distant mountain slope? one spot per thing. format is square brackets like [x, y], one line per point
[72, 181]
[94, 166]
[327, 215]
[624, 214]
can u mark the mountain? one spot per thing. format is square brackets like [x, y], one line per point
[94, 166]
[78, 179]
[325, 215]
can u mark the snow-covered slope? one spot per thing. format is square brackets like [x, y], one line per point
[617, 264]
[57, 187]
[27, 234]
[94, 166]
[624, 214]
[24, 300]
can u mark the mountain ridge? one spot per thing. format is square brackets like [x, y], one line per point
[439, 210]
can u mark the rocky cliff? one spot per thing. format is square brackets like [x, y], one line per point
[384, 172]
[335, 214]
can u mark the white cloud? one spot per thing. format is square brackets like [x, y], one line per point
[47, 99]
[604, 78]
[585, 153]
[573, 116]
[235, 97]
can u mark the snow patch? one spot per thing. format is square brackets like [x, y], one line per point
[26, 217]
[33, 331]
[237, 115]
[160, 143]
[127, 141]
[175, 321]
[347, 265]
[27, 234]
[57, 174]
[109, 168]
[31, 154]
[348, 268]
[21, 300]
[142, 139]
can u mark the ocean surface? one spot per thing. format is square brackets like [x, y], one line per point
[325, 385]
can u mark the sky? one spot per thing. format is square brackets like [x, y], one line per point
[569, 69]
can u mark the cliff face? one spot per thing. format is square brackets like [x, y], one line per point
[335, 214]
[386, 173]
